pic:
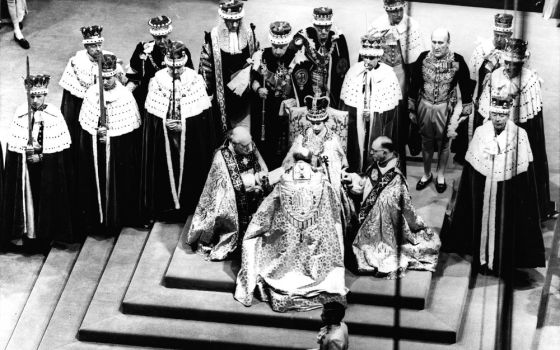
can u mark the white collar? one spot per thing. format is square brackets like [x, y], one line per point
[390, 165]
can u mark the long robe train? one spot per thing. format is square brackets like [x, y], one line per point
[200, 143]
[121, 209]
[461, 232]
[291, 268]
[49, 188]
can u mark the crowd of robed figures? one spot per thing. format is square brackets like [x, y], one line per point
[289, 156]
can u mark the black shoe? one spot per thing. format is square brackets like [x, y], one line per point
[22, 42]
[422, 184]
[441, 187]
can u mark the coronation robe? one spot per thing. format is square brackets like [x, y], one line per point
[388, 220]
[228, 54]
[496, 164]
[271, 118]
[328, 156]
[527, 113]
[175, 163]
[324, 66]
[226, 205]
[484, 60]
[36, 204]
[402, 45]
[378, 91]
[108, 182]
[147, 59]
[293, 251]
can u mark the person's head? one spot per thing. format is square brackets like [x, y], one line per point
[92, 40]
[440, 42]
[503, 29]
[382, 149]
[322, 21]
[280, 35]
[176, 56]
[317, 112]
[109, 71]
[333, 313]
[241, 140]
[38, 89]
[395, 10]
[303, 154]
[371, 50]
[232, 12]
[514, 56]
[160, 28]
[500, 112]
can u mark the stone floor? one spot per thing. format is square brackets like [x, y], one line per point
[52, 27]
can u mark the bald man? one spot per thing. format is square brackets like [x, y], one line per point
[387, 216]
[236, 185]
[435, 77]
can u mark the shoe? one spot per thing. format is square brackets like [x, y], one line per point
[22, 42]
[441, 187]
[422, 184]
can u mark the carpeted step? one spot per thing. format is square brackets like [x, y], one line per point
[106, 324]
[146, 296]
[221, 275]
[75, 298]
[43, 298]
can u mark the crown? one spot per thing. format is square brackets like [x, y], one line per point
[160, 26]
[516, 50]
[503, 22]
[322, 16]
[280, 33]
[176, 54]
[37, 84]
[372, 45]
[231, 9]
[500, 104]
[92, 34]
[317, 108]
[109, 65]
[393, 5]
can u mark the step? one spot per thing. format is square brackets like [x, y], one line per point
[147, 296]
[105, 323]
[43, 298]
[78, 345]
[18, 274]
[221, 276]
[65, 321]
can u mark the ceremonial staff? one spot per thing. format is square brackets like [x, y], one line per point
[366, 116]
[263, 111]
[29, 149]
[173, 117]
[103, 128]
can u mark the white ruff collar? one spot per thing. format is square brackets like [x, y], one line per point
[500, 157]
[191, 94]
[122, 111]
[525, 90]
[55, 132]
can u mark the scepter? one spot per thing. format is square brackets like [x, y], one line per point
[29, 149]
